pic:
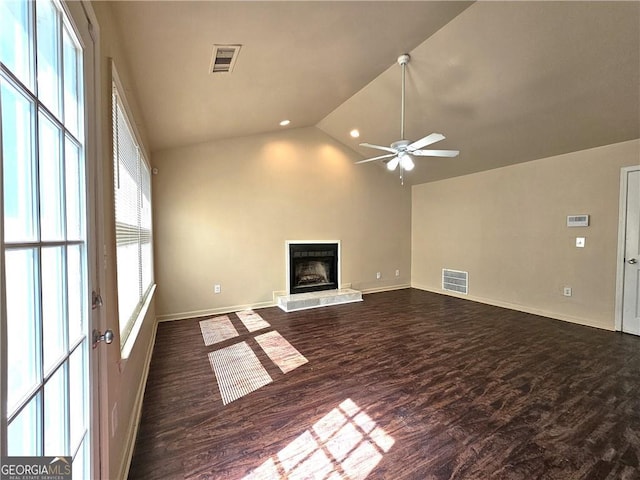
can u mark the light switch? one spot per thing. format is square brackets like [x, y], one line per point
[580, 242]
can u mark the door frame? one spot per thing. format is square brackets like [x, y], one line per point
[622, 230]
[97, 360]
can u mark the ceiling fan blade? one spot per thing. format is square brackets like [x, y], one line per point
[377, 158]
[423, 142]
[379, 147]
[436, 153]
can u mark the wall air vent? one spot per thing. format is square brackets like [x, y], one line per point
[224, 58]
[455, 281]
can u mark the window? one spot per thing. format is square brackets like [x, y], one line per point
[132, 186]
[45, 315]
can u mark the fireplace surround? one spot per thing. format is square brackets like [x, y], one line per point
[312, 266]
[313, 276]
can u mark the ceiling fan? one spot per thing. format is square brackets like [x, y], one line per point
[403, 150]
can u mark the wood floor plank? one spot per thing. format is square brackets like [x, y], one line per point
[464, 390]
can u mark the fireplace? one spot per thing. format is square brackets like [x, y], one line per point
[312, 266]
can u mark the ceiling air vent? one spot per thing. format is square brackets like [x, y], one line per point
[224, 58]
[455, 281]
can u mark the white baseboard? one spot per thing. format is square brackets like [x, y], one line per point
[236, 308]
[132, 431]
[390, 288]
[213, 311]
[514, 306]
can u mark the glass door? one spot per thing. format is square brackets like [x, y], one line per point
[45, 312]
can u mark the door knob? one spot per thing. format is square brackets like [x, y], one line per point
[106, 337]
[632, 261]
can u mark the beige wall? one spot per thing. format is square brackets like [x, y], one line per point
[223, 211]
[123, 378]
[507, 228]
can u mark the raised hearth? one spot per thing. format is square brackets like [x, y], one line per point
[322, 298]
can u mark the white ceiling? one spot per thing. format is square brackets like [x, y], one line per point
[506, 82]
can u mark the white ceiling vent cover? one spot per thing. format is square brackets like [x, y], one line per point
[455, 281]
[224, 58]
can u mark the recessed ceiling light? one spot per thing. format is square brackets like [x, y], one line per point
[284, 123]
[354, 133]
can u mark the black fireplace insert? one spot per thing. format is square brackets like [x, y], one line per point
[313, 267]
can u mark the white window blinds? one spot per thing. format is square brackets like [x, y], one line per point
[132, 187]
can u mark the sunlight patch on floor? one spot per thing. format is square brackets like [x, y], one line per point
[345, 444]
[238, 371]
[281, 352]
[252, 320]
[236, 367]
[216, 330]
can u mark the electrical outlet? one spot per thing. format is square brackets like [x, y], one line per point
[566, 291]
[216, 288]
[397, 273]
[378, 275]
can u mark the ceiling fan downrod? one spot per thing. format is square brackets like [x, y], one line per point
[403, 60]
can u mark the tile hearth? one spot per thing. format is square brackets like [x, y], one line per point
[303, 301]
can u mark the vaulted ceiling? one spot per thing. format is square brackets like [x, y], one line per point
[505, 82]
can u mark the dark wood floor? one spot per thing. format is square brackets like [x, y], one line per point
[466, 391]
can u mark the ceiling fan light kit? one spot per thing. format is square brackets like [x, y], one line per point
[393, 163]
[403, 150]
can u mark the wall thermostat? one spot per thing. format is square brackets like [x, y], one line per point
[577, 220]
